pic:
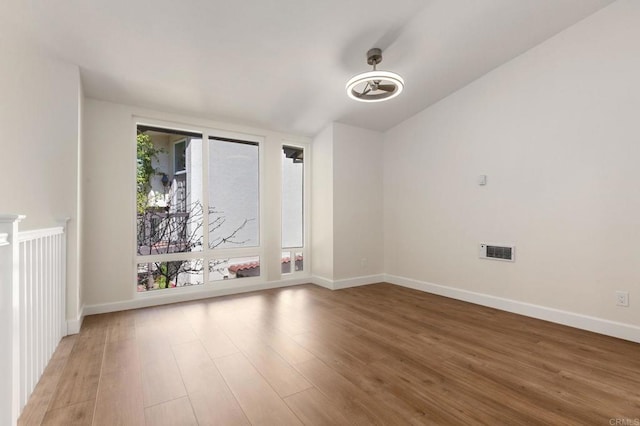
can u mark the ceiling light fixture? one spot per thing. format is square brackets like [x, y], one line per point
[375, 86]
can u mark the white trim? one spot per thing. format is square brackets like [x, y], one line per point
[164, 299]
[10, 218]
[39, 233]
[4, 239]
[571, 319]
[322, 282]
[358, 281]
[63, 222]
[74, 325]
[347, 282]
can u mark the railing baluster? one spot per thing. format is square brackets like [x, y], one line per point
[23, 321]
[46, 324]
[28, 357]
[32, 309]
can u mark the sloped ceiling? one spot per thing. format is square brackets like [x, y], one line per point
[283, 64]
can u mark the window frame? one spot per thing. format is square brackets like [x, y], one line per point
[206, 254]
[259, 142]
[173, 156]
[306, 216]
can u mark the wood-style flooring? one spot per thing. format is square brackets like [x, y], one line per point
[372, 355]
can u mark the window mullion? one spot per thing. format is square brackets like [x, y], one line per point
[205, 204]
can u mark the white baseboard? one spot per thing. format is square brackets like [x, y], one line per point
[171, 296]
[347, 282]
[74, 325]
[358, 281]
[572, 319]
[322, 282]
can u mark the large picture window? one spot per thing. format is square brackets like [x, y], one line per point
[194, 203]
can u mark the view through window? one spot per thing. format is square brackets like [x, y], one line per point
[178, 230]
[292, 209]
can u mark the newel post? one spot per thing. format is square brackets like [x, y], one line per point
[9, 319]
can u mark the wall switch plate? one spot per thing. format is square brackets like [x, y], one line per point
[622, 298]
[482, 180]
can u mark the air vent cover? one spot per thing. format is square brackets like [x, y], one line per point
[505, 252]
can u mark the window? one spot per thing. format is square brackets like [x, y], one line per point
[234, 212]
[292, 207]
[229, 269]
[161, 275]
[199, 205]
[198, 208]
[180, 157]
[169, 209]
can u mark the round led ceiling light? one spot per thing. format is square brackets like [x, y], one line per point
[375, 86]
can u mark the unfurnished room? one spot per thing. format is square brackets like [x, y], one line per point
[302, 212]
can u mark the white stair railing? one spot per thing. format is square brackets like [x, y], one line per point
[32, 309]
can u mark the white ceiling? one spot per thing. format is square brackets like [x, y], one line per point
[282, 64]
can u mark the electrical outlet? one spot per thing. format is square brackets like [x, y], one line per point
[622, 298]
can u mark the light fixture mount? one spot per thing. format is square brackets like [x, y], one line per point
[374, 56]
[374, 86]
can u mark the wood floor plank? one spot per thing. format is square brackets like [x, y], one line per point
[180, 333]
[120, 355]
[121, 332]
[215, 408]
[211, 398]
[80, 414]
[65, 347]
[288, 349]
[151, 331]
[313, 408]
[260, 403]
[79, 380]
[151, 349]
[282, 377]
[161, 380]
[379, 388]
[280, 342]
[39, 400]
[218, 344]
[171, 413]
[120, 399]
[352, 401]
[120, 385]
[531, 404]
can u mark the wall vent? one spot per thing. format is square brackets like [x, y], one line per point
[503, 252]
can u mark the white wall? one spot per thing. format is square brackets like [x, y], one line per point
[322, 204]
[109, 197]
[40, 127]
[556, 132]
[358, 204]
[347, 203]
[108, 156]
